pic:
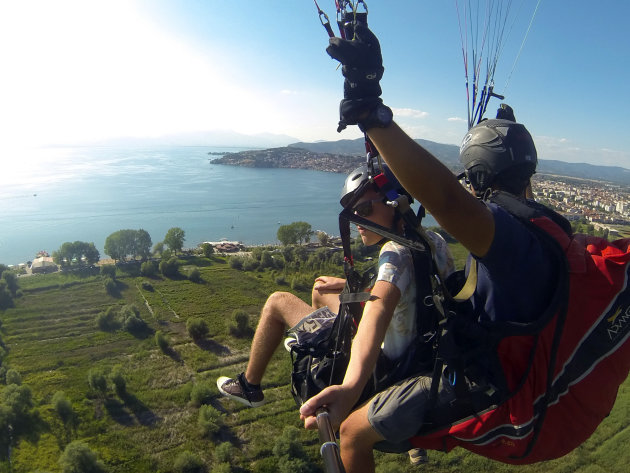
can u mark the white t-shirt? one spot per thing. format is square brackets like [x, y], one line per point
[395, 266]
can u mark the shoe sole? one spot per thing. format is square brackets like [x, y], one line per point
[222, 380]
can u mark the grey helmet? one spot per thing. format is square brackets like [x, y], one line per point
[493, 147]
[361, 179]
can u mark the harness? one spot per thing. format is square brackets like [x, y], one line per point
[560, 373]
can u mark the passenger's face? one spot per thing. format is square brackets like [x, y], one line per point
[380, 214]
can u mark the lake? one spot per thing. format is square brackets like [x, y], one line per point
[53, 195]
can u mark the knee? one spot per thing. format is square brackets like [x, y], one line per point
[355, 435]
[277, 300]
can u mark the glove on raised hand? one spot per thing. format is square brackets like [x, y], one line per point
[362, 63]
[363, 69]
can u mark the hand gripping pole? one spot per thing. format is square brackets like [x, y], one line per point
[329, 449]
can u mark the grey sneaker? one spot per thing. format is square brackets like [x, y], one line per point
[235, 389]
[418, 456]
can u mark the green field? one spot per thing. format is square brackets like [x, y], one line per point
[53, 342]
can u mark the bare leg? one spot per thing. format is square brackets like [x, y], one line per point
[325, 299]
[357, 438]
[281, 311]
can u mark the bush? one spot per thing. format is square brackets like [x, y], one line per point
[195, 275]
[209, 421]
[107, 320]
[149, 269]
[108, 270]
[250, 264]
[161, 341]
[188, 462]
[131, 320]
[13, 377]
[169, 267]
[281, 281]
[201, 393]
[97, 381]
[147, 286]
[63, 408]
[224, 452]
[197, 328]
[79, 458]
[236, 262]
[110, 286]
[118, 380]
[240, 324]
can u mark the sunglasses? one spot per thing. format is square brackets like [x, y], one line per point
[365, 209]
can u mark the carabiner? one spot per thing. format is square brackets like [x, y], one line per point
[323, 18]
[345, 17]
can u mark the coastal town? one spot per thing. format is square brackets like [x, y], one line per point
[605, 205]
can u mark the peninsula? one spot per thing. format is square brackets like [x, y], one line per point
[293, 158]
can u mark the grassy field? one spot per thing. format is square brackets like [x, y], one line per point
[53, 342]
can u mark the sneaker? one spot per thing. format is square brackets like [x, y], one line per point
[418, 456]
[235, 389]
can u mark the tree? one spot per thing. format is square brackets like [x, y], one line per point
[142, 244]
[286, 235]
[128, 243]
[294, 233]
[174, 239]
[79, 458]
[76, 254]
[207, 249]
[303, 231]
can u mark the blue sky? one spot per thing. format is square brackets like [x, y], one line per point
[76, 71]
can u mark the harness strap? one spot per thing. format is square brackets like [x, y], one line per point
[470, 285]
[350, 297]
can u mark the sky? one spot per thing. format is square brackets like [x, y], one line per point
[79, 71]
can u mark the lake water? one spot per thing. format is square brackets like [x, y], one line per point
[50, 196]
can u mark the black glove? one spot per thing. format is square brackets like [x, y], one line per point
[363, 69]
[362, 63]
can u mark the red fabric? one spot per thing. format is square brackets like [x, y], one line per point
[598, 311]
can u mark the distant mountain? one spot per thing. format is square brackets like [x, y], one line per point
[449, 155]
[215, 138]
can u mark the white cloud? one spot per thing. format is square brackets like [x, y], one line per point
[564, 149]
[409, 113]
[456, 119]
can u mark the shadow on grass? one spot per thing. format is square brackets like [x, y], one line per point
[247, 332]
[118, 412]
[212, 347]
[172, 354]
[142, 413]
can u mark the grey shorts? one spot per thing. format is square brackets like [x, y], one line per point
[398, 412]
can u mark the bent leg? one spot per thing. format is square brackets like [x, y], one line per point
[357, 438]
[282, 310]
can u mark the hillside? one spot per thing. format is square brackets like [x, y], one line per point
[449, 155]
[53, 341]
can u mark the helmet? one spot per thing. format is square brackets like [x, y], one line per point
[494, 146]
[361, 179]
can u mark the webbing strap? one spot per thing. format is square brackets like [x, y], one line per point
[350, 297]
[469, 287]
